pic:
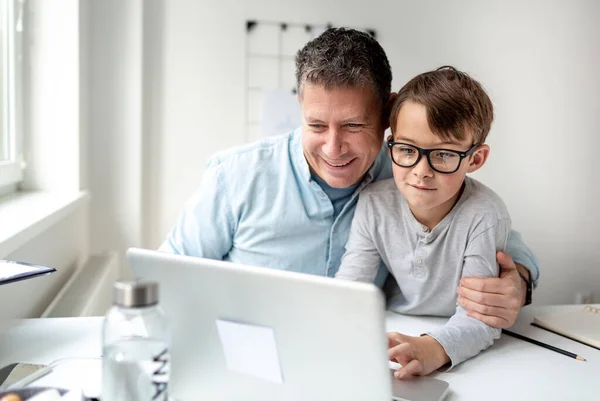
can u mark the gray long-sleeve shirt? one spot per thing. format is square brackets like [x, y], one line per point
[428, 264]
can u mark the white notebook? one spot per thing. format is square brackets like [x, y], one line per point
[581, 324]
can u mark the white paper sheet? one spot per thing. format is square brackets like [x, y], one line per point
[250, 349]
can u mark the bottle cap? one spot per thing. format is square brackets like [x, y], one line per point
[136, 293]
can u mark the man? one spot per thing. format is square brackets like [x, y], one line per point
[287, 202]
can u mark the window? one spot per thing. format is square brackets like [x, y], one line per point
[11, 28]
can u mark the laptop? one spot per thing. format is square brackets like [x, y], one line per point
[257, 334]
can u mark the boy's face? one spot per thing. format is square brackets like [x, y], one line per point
[430, 194]
[342, 132]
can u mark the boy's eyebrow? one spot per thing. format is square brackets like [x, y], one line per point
[404, 139]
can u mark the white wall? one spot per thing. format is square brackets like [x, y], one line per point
[538, 60]
[114, 144]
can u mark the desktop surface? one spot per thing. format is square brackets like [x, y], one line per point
[510, 370]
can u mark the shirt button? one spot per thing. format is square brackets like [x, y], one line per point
[424, 229]
[419, 260]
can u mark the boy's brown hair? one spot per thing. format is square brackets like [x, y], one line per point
[455, 104]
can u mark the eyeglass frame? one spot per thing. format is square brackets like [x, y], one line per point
[427, 152]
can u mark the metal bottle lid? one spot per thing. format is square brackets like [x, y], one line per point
[135, 294]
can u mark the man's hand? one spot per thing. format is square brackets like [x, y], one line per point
[494, 301]
[418, 356]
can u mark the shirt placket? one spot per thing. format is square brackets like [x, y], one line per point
[327, 213]
[419, 270]
[334, 239]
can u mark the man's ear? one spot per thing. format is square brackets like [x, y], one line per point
[478, 158]
[388, 110]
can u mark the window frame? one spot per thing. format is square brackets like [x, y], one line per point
[11, 171]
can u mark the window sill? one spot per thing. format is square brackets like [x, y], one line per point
[26, 214]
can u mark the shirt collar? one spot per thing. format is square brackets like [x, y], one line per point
[298, 156]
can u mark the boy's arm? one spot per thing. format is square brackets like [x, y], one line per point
[361, 260]
[462, 337]
[497, 301]
[205, 227]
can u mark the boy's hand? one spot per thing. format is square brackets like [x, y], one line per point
[494, 301]
[418, 356]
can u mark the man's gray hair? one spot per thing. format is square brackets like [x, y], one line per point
[343, 57]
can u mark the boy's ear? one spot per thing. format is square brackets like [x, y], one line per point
[478, 158]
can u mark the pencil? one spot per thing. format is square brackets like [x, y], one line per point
[544, 345]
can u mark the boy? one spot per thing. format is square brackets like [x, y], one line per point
[431, 225]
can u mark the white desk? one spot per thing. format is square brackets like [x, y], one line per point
[510, 370]
[513, 369]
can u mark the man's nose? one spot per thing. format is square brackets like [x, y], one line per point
[335, 145]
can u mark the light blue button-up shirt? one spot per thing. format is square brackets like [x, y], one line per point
[258, 205]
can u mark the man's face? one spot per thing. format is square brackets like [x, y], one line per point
[342, 132]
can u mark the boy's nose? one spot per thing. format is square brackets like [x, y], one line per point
[422, 168]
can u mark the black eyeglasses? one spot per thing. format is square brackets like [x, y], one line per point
[445, 161]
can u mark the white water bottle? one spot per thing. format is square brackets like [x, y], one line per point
[135, 354]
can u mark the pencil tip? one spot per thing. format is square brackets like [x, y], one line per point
[580, 358]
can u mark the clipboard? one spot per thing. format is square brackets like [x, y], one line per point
[11, 271]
